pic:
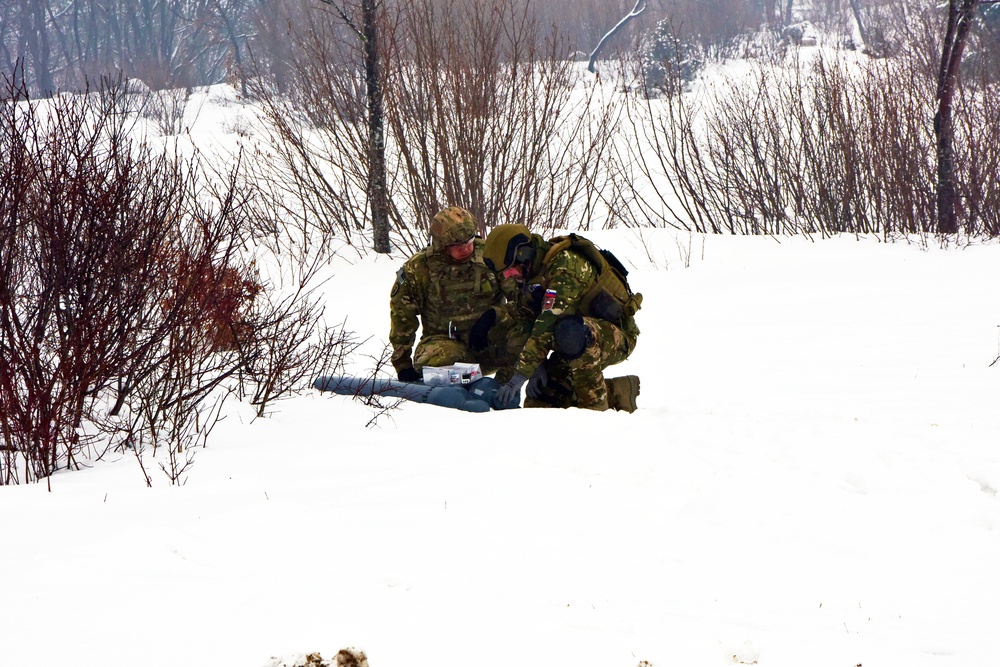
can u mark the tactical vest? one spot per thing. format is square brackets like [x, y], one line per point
[610, 297]
[457, 293]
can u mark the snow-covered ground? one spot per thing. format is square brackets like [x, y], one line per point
[811, 479]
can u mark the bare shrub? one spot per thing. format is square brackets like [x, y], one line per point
[88, 219]
[482, 110]
[978, 155]
[171, 393]
[823, 146]
[663, 145]
[281, 335]
[128, 304]
[286, 345]
[486, 113]
[379, 404]
[167, 108]
[315, 162]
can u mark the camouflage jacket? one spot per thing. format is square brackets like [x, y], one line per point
[442, 297]
[570, 275]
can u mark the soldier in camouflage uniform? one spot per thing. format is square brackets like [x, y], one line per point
[445, 289]
[570, 344]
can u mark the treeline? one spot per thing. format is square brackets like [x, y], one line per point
[482, 110]
[68, 45]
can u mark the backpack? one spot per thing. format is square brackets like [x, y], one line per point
[610, 298]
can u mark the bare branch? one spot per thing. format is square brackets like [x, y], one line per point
[639, 8]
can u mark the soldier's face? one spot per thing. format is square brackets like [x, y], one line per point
[459, 252]
[513, 271]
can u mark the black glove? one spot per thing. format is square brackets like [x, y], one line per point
[479, 334]
[536, 293]
[409, 375]
[510, 393]
[539, 380]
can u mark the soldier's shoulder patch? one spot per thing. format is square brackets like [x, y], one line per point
[549, 299]
[400, 279]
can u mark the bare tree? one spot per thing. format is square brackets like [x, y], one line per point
[961, 15]
[639, 8]
[377, 187]
[860, 22]
[33, 46]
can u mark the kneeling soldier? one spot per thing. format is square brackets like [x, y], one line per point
[586, 322]
[443, 290]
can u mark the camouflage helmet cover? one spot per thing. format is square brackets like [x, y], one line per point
[502, 244]
[452, 225]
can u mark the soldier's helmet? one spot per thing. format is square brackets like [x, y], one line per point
[507, 245]
[452, 225]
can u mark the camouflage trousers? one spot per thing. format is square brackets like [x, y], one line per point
[500, 355]
[579, 383]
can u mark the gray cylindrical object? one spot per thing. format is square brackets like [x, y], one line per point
[474, 397]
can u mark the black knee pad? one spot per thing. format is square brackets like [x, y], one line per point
[572, 337]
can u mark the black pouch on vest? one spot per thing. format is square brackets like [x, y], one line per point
[606, 307]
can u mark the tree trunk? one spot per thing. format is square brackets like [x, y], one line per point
[376, 132]
[960, 15]
[856, 9]
[235, 41]
[35, 34]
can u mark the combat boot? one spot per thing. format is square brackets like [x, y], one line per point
[622, 392]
